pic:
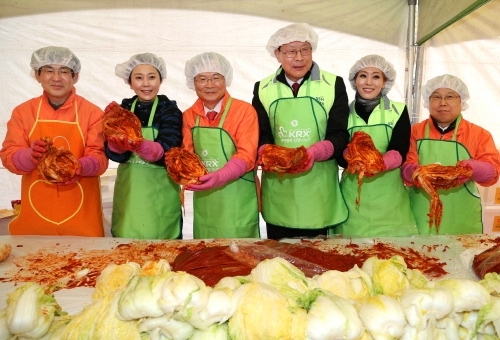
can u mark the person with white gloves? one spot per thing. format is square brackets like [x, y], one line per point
[302, 105]
[223, 131]
[384, 208]
[146, 202]
[446, 138]
[72, 123]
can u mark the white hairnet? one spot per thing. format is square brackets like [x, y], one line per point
[294, 32]
[207, 62]
[446, 81]
[124, 70]
[54, 55]
[376, 61]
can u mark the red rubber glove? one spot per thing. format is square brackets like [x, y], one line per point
[233, 169]
[407, 173]
[150, 151]
[392, 159]
[481, 171]
[319, 151]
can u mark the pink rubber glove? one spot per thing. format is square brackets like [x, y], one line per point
[481, 171]
[319, 151]
[150, 151]
[392, 159]
[233, 169]
[23, 161]
[27, 159]
[89, 166]
[259, 154]
[407, 172]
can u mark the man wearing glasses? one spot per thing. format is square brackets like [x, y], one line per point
[223, 131]
[72, 123]
[299, 105]
[446, 138]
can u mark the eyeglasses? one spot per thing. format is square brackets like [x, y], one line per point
[203, 81]
[303, 51]
[447, 98]
[64, 72]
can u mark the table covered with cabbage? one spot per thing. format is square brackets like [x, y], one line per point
[382, 299]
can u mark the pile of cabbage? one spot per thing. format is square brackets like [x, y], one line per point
[383, 299]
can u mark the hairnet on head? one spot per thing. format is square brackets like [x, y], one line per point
[376, 61]
[54, 55]
[207, 62]
[124, 70]
[446, 81]
[294, 32]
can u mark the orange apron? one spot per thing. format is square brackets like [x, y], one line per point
[51, 209]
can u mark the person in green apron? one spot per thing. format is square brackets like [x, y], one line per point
[384, 208]
[146, 201]
[302, 105]
[223, 132]
[446, 138]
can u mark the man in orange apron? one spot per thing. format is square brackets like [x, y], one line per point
[223, 132]
[446, 138]
[73, 123]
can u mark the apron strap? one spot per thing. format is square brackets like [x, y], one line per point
[151, 113]
[454, 138]
[226, 110]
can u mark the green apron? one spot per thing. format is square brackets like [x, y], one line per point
[229, 211]
[312, 199]
[461, 205]
[384, 208]
[146, 201]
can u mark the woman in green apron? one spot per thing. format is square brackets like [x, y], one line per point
[223, 132]
[446, 138]
[384, 208]
[146, 201]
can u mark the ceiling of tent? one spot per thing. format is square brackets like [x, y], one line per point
[387, 18]
[450, 11]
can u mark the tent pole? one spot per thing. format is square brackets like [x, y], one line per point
[410, 93]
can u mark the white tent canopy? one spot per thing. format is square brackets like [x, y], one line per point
[104, 33]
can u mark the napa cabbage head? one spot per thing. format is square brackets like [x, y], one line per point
[491, 282]
[141, 297]
[184, 295]
[114, 277]
[282, 275]
[153, 268]
[388, 276]
[424, 306]
[332, 317]
[467, 295]
[264, 312]
[489, 314]
[30, 311]
[351, 285]
[99, 321]
[382, 316]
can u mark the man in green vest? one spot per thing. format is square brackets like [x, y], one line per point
[298, 105]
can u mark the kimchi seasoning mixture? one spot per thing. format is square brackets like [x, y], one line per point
[209, 261]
